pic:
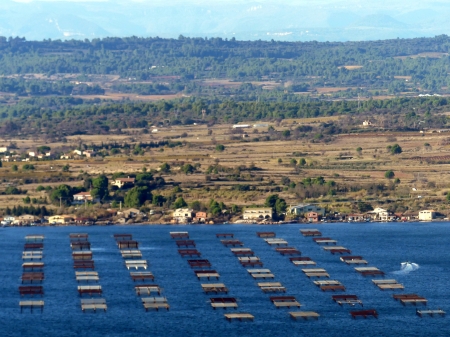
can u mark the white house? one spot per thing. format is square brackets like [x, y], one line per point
[32, 154]
[303, 209]
[83, 197]
[257, 213]
[380, 214]
[121, 182]
[427, 215]
[183, 215]
[3, 149]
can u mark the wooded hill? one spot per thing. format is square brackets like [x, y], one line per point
[397, 65]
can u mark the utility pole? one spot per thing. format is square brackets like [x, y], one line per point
[60, 202]
[120, 207]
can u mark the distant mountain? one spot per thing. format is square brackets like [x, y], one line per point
[290, 20]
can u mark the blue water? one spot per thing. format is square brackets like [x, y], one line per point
[383, 245]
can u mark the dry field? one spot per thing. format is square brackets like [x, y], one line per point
[430, 180]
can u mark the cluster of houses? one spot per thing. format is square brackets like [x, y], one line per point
[315, 213]
[188, 215]
[9, 155]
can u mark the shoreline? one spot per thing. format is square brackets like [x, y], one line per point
[231, 224]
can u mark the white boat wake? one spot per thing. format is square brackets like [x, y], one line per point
[407, 267]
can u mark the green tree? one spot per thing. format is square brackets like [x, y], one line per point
[28, 167]
[66, 168]
[293, 162]
[389, 174]
[14, 168]
[187, 168]
[63, 194]
[286, 133]
[179, 203]
[271, 200]
[137, 196]
[302, 162]
[100, 187]
[280, 206]
[364, 207]
[165, 168]
[158, 200]
[395, 149]
[220, 148]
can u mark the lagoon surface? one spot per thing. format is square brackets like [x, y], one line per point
[385, 246]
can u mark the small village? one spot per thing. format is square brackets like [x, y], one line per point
[303, 213]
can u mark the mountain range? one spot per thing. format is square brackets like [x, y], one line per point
[321, 20]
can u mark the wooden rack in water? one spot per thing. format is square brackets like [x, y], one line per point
[124, 244]
[276, 242]
[364, 313]
[32, 255]
[239, 317]
[260, 273]
[266, 234]
[155, 303]
[131, 253]
[388, 284]
[330, 285]
[32, 277]
[189, 252]
[31, 290]
[225, 235]
[369, 271]
[77, 237]
[349, 259]
[123, 237]
[233, 243]
[242, 251]
[288, 251]
[337, 250]
[325, 241]
[31, 305]
[136, 264]
[34, 238]
[33, 265]
[83, 264]
[82, 255]
[271, 287]
[247, 261]
[410, 299]
[199, 263]
[346, 299]
[185, 243]
[284, 301]
[93, 304]
[214, 288]
[208, 274]
[302, 261]
[223, 302]
[315, 272]
[310, 232]
[147, 289]
[141, 276]
[179, 235]
[90, 290]
[33, 246]
[431, 313]
[80, 245]
[305, 315]
[86, 276]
